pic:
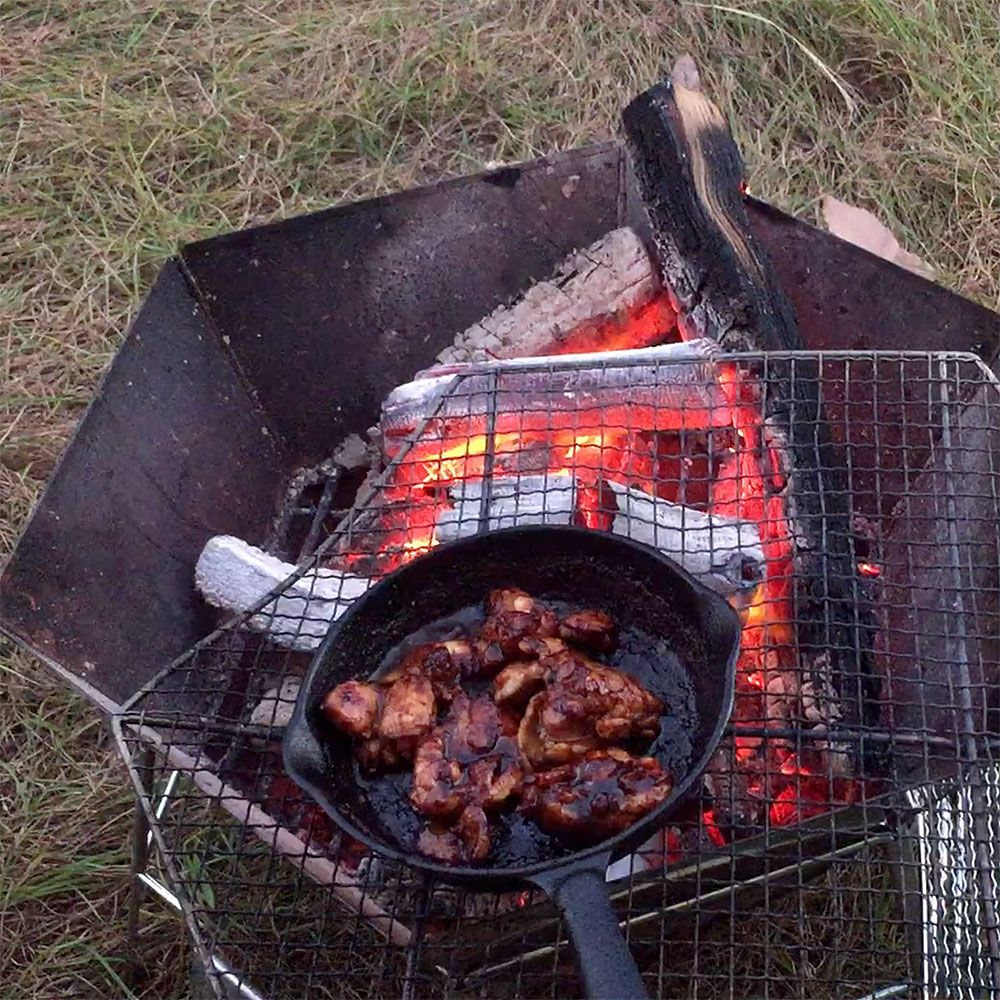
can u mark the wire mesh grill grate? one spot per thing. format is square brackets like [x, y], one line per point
[844, 841]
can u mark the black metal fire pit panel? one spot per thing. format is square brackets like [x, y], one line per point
[171, 451]
[323, 315]
[328, 312]
[942, 627]
[846, 299]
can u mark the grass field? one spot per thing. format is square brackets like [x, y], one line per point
[127, 128]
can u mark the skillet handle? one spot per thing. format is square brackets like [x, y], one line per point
[608, 968]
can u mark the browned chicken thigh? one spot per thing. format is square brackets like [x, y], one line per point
[511, 615]
[517, 682]
[601, 794]
[354, 707]
[470, 759]
[445, 663]
[584, 705]
[549, 732]
[388, 716]
[467, 839]
[592, 630]
[409, 710]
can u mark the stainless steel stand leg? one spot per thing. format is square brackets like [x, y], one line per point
[140, 855]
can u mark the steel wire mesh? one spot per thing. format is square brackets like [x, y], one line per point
[844, 842]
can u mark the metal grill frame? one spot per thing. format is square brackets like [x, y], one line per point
[140, 727]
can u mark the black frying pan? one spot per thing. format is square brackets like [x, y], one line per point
[679, 638]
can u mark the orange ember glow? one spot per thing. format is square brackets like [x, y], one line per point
[647, 326]
[715, 834]
[638, 448]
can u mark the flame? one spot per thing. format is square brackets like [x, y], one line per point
[869, 569]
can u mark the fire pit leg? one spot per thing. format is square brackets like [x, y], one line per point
[139, 857]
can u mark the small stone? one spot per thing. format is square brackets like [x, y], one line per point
[569, 188]
[776, 685]
[352, 453]
[777, 708]
[276, 707]
[811, 710]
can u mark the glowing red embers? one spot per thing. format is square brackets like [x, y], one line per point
[646, 326]
[715, 834]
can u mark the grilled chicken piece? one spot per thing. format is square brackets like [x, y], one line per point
[468, 839]
[386, 721]
[595, 797]
[354, 707]
[470, 759]
[517, 682]
[593, 630]
[538, 647]
[511, 616]
[445, 663]
[409, 709]
[535, 740]
[585, 705]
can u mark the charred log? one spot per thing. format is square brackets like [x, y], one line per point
[591, 290]
[690, 175]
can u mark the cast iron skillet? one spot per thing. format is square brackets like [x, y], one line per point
[678, 637]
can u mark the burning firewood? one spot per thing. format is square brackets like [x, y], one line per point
[671, 387]
[724, 552]
[610, 283]
[512, 502]
[690, 175]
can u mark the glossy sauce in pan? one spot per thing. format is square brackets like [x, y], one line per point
[517, 840]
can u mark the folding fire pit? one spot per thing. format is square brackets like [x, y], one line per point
[301, 408]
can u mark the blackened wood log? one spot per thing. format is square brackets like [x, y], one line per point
[690, 175]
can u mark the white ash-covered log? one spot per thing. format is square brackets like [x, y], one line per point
[236, 576]
[670, 387]
[591, 287]
[723, 552]
[726, 554]
[506, 502]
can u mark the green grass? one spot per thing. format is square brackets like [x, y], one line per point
[127, 128]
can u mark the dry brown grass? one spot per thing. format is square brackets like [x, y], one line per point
[127, 128]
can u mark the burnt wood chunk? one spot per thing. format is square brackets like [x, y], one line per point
[591, 288]
[690, 175]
